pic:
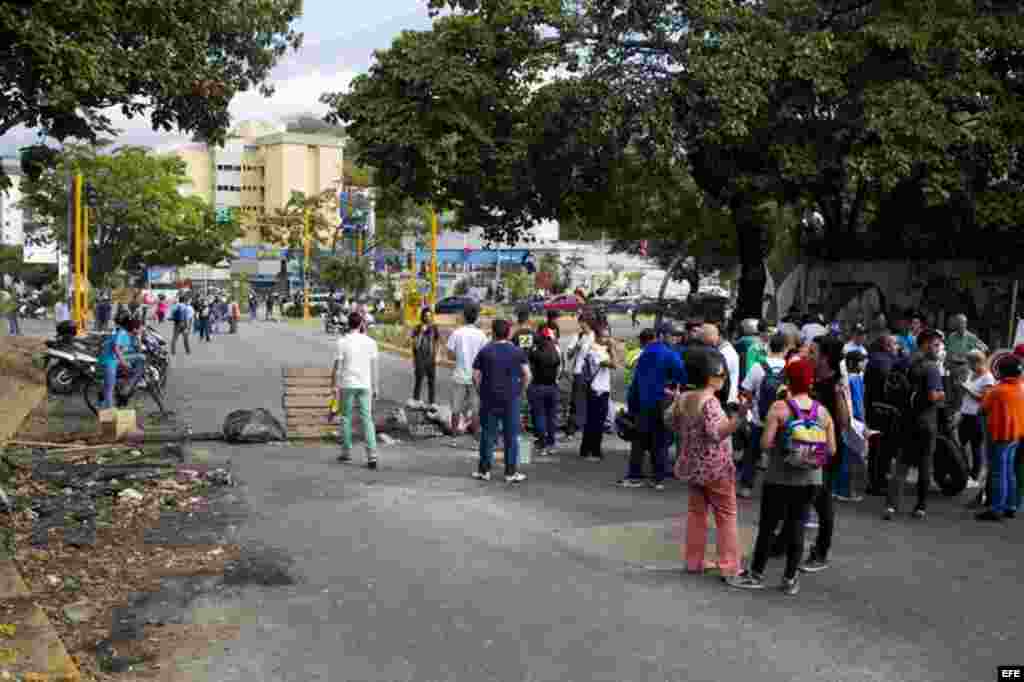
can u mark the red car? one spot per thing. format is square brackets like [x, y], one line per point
[565, 303]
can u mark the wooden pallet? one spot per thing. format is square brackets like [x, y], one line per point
[306, 392]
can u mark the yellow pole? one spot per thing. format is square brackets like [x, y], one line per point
[85, 265]
[78, 252]
[305, 278]
[433, 257]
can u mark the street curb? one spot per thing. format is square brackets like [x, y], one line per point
[34, 647]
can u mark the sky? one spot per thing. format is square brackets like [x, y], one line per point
[338, 45]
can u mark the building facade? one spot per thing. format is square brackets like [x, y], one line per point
[12, 221]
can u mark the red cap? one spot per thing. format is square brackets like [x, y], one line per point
[547, 333]
[1018, 350]
[800, 375]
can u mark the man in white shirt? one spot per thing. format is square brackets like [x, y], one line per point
[61, 313]
[712, 337]
[579, 349]
[812, 329]
[356, 380]
[772, 366]
[463, 346]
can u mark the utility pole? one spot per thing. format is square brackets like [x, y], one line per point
[79, 313]
[305, 270]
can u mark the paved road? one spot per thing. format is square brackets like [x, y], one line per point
[417, 572]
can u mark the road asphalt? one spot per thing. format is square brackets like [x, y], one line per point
[417, 572]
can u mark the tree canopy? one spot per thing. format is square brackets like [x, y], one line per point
[515, 112]
[179, 62]
[140, 217]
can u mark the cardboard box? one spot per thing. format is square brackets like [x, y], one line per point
[114, 424]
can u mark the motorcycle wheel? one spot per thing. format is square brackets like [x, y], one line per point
[60, 379]
[92, 392]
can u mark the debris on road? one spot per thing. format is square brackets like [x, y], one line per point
[252, 426]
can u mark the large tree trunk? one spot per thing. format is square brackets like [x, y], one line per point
[753, 276]
[660, 314]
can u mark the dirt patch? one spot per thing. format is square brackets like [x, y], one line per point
[80, 582]
[175, 653]
[22, 383]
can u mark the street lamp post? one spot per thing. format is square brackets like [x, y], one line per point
[305, 270]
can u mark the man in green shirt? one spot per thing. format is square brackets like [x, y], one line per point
[959, 343]
[758, 351]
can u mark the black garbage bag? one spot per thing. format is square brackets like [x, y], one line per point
[252, 426]
[950, 468]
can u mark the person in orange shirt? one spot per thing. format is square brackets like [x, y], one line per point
[1003, 407]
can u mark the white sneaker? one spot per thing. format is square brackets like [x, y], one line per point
[482, 476]
[973, 483]
[745, 492]
[517, 477]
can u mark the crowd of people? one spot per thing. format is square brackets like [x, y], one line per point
[801, 406]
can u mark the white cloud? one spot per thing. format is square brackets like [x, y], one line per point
[296, 95]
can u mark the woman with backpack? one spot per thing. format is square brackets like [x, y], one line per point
[705, 461]
[800, 436]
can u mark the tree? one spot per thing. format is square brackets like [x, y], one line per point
[848, 107]
[518, 285]
[349, 273]
[287, 226]
[62, 65]
[140, 218]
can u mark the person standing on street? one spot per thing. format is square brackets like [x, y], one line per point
[523, 336]
[882, 415]
[182, 315]
[11, 301]
[270, 307]
[743, 346]
[543, 394]
[971, 429]
[658, 368]
[500, 372]
[426, 341]
[578, 352]
[705, 462]
[357, 381]
[761, 389]
[161, 309]
[253, 305]
[552, 324]
[792, 429]
[234, 315]
[597, 366]
[204, 312]
[833, 393]
[758, 351]
[921, 426]
[463, 345]
[1003, 407]
[711, 337]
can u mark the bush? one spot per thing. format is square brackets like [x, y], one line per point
[391, 334]
[295, 311]
[389, 317]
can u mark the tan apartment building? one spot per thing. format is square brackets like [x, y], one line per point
[258, 169]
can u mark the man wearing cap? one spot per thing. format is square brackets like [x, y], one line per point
[658, 368]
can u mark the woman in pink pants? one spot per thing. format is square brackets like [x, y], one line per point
[705, 461]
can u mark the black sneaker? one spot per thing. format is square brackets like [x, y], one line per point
[920, 513]
[344, 457]
[1010, 514]
[890, 514]
[372, 465]
[988, 516]
[814, 565]
[746, 581]
[790, 586]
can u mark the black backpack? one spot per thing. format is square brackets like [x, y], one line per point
[897, 392]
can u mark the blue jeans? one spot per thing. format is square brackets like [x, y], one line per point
[110, 378]
[491, 417]
[1003, 481]
[841, 482]
[651, 438]
[544, 408]
[13, 328]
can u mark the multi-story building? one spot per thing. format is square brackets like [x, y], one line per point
[254, 173]
[12, 224]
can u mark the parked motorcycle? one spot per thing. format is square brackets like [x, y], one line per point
[67, 357]
[124, 389]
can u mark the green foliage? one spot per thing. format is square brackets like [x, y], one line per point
[179, 62]
[519, 285]
[140, 217]
[348, 273]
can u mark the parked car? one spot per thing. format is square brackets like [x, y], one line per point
[567, 303]
[453, 305]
